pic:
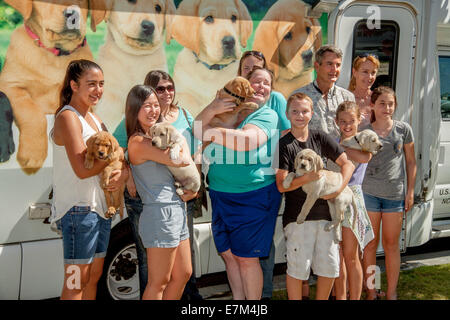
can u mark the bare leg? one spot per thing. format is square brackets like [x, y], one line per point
[76, 277]
[340, 284]
[160, 263]
[96, 270]
[352, 263]
[370, 251]
[234, 275]
[252, 277]
[294, 288]
[324, 286]
[392, 226]
[181, 272]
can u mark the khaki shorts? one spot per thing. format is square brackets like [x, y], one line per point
[310, 246]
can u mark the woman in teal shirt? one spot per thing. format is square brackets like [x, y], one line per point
[244, 197]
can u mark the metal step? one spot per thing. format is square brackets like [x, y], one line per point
[440, 231]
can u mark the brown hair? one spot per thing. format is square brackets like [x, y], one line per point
[376, 94]
[256, 68]
[324, 49]
[153, 78]
[257, 54]
[135, 99]
[357, 63]
[299, 96]
[348, 106]
[75, 70]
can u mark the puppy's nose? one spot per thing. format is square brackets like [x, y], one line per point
[101, 153]
[228, 42]
[307, 57]
[147, 27]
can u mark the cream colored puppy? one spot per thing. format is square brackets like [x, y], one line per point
[212, 33]
[164, 136]
[288, 39]
[308, 161]
[366, 140]
[134, 46]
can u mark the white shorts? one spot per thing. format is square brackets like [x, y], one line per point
[310, 246]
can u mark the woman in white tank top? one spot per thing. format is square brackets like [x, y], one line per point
[79, 202]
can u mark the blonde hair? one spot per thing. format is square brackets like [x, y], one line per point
[299, 96]
[357, 63]
[348, 106]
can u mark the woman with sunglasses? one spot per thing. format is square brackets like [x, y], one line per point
[182, 120]
[364, 73]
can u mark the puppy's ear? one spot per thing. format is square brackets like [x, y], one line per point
[168, 19]
[185, 27]
[316, 29]
[25, 7]
[99, 11]
[169, 141]
[90, 144]
[296, 161]
[245, 22]
[247, 89]
[114, 144]
[317, 163]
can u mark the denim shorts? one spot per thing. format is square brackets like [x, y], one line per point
[376, 204]
[85, 235]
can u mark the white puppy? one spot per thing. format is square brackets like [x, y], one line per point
[164, 136]
[134, 46]
[308, 161]
[366, 140]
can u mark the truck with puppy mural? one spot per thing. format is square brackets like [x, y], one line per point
[201, 49]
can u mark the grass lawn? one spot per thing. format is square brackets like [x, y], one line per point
[422, 283]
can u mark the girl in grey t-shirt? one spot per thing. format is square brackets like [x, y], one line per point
[384, 187]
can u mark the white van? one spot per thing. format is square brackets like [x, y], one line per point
[412, 40]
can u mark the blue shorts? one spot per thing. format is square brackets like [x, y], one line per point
[85, 235]
[163, 226]
[376, 204]
[245, 222]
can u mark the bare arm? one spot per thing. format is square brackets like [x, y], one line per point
[358, 155]
[296, 182]
[347, 169]
[248, 138]
[68, 133]
[140, 149]
[411, 171]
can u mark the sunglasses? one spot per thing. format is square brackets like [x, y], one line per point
[365, 55]
[162, 89]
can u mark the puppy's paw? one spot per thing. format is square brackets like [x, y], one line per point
[300, 220]
[110, 213]
[287, 182]
[178, 188]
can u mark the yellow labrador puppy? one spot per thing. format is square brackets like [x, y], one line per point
[288, 39]
[134, 45]
[164, 136]
[308, 161]
[53, 34]
[212, 33]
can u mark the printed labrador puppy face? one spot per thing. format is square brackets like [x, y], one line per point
[139, 24]
[58, 23]
[221, 31]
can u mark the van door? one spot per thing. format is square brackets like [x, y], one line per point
[387, 31]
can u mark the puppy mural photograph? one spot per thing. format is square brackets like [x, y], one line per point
[212, 34]
[53, 34]
[288, 39]
[134, 45]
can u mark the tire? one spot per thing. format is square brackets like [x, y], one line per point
[120, 278]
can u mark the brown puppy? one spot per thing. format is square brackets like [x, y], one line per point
[239, 89]
[53, 34]
[103, 146]
[288, 39]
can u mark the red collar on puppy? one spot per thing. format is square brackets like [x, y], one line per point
[55, 51]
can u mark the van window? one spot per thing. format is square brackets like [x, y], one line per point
[444, 77]
[382, 43]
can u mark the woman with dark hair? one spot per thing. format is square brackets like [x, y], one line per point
[163, 222]
[79, 202]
